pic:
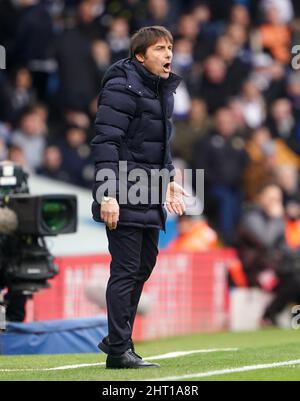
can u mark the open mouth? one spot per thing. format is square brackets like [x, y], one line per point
[167, 67]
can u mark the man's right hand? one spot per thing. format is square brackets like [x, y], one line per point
[110, 211]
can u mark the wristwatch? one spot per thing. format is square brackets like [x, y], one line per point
[107, 199]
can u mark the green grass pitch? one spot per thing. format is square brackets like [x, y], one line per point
[253, 349]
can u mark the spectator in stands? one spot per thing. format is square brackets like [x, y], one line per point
[42, 110]
[32, 40]
[194, 235]
[70, 117]
[295, 26]
[33, 33]
[21, 92]
[76, 156]
[184, 65]
[5, 130]
[6, 112]
[182, 102]
[274, 35]
[77, 118]
[102, 56]
[293, 91]
[264, 253]
[208, 28]
[16, 155]
[292, 229]
[261, 231]
[102, 14]
[221, 9]
[223, 157]
[132, 10]
[118, 39]
[282, 123]
[240, 37]
[253, 105]
[214, 88]
[183, 60]
[30, 136]
[260, 168]
[283, 7]
[161, 13]
[188, 132]
[268, 76]
[4, 138]
[237, 70]
[287, 177]
[236, 108]
[238, 34]
[9, 16]
[266, 156]
[188, 27]
[52, 166]
[78, 75]
[202, 14]
[87, 20]
[239, 15]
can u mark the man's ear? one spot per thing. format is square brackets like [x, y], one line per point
[140, 58]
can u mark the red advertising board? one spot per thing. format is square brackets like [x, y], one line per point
[187, 292]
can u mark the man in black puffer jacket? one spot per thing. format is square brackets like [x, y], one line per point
[131, 151]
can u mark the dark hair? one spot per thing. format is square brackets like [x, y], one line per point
[147, 36]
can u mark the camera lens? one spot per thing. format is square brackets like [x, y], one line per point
[56, 214]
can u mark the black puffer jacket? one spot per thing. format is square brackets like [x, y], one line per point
[133, 124]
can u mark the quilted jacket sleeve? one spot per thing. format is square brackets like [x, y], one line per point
[116, 110]
[169, 162]
[170, 165]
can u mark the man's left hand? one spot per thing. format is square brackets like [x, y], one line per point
[174, 198]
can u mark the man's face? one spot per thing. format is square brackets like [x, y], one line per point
[158, 57]
[225, 123]
[270, 200]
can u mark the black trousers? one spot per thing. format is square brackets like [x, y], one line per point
[133, 251]
[15, 309]
[287, 291]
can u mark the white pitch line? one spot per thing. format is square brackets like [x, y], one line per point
[195, 351]
[228, 371]
[155, 357]
[82, 365]
[65, 367]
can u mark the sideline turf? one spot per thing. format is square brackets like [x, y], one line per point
[266, 346]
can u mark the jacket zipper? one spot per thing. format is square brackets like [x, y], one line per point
[157, 84]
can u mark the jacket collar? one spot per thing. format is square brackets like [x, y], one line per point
[138, 78]
[146, 78]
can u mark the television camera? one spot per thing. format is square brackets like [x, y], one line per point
[25, 220]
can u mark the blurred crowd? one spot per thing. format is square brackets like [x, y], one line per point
[237, 110]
